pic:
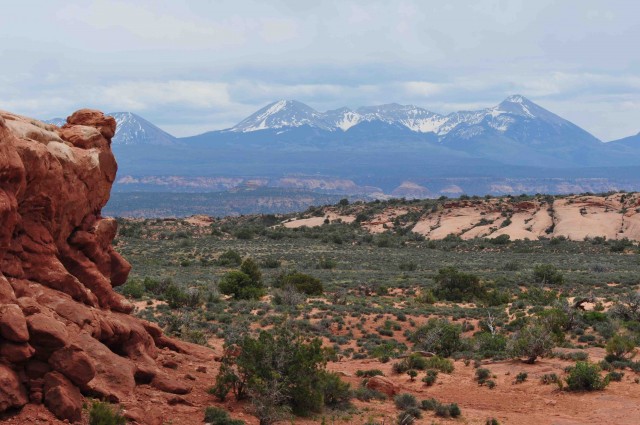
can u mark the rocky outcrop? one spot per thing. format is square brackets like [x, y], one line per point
[64, 332]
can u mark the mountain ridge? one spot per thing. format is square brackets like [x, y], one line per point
[131, 129]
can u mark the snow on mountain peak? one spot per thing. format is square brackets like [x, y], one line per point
[281, 114]
[285, 114]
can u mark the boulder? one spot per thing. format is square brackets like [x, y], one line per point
[12, 392]
[62, 398]
[13, 325]
[73, 363]
[169, 385]
[47, 332]
[383, 385]
[14, 352]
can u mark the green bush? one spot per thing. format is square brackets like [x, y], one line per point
[620, 346]
[532, 341]
[337, 393]
[482, 375]
[282, 371]
[456, 286]
[404, 401]
[438, 336]
[439, 363]
[133, 289]
[369, 373]
[229, 258]
[241, 285]
[103, 414]
[302, 282]
[430, 378]
[367, 394]
[585, 376]
[521, 377]
[218, 416]
[547, 274]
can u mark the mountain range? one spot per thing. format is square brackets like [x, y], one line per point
[380, 147]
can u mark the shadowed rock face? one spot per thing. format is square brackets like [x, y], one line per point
[61, 323]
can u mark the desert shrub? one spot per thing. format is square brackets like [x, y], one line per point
[573, 355]
[369, 373]
[102, 413]
[407, 266]
[175, 296]
[614, 376]
[302, 282]
[482, 375]
[404, 401]
[430, 378]
[447, 410]
[438, 336]
[229, 258]
[132, 289]
[327, 263]
[270, 263]
[439, 363]
[218, 416]
[489, 345]
[500, 240]
[288, 296]
[620, 245]
[549, 378]
[456, 286]
[547, 274]
[521, 377]
[620, 346]
[532, 341]
[429, 404]
[240, 286]
[367, 394]
[407, 417]
[413, 361]
[490, 383]
[337, 393]
[585, 376]
[245, 233]
[492, 421]
[282, 371]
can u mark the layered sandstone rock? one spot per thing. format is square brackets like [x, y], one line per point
[64, 332]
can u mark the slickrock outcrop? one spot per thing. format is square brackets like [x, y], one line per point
[64, 332]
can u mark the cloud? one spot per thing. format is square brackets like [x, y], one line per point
[146, 95]
[198, 64]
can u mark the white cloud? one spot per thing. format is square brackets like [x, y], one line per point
[145, 95]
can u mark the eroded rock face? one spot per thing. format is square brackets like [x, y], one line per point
[63, 330]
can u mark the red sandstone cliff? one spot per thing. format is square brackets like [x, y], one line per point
[64, 332]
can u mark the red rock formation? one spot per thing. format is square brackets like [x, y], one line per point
[63, 330]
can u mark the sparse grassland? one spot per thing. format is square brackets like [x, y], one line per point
[378, 298]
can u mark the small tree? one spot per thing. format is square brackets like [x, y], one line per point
[532, 341]
[458, 286]
[240, 286]
[438, 336]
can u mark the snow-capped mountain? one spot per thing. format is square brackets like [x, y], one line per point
[132, 129]
[516, 117]
[282, 114]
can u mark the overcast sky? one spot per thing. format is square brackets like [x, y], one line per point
[192, 66]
